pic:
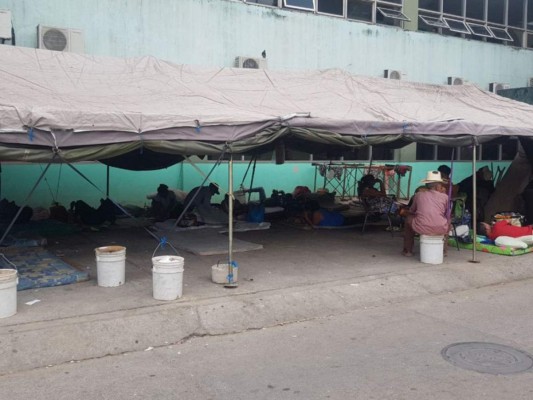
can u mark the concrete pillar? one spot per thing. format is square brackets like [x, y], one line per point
[410, 9]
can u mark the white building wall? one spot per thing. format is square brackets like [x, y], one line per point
[214, 32]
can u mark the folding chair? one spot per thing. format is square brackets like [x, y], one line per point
[378, 206]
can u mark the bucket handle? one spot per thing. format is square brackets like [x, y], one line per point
[9, 262]
[162, 243]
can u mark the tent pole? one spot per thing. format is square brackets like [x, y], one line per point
[186, 206]
[252, 180]
[113, 201]
[231, 283]
[107, 182]
[474, 202]
[24, 203]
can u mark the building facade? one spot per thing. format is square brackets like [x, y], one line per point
[485, 42]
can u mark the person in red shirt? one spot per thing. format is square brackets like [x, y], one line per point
[504, 228]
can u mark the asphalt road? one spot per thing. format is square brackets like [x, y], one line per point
[387, 352]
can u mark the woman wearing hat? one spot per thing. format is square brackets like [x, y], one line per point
[428, 212]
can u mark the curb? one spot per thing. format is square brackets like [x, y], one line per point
[39, 344]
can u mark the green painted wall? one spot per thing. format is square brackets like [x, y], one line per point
[129, 187]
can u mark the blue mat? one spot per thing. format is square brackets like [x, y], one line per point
[38, 268]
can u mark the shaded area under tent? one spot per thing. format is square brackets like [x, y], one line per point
[144, 104]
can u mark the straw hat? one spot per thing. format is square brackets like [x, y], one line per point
[433, 177]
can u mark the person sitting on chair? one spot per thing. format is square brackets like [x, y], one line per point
[164, 203]
[375, 199]
[428, 212]
[366, 187]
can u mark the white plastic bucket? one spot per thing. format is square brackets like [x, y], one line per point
[431, 249]
[219, 273]
[167, 277]
[8, 292]
[111, 265]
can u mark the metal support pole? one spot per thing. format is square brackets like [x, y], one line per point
[474, 202]
[231, 283]
[24, 203]
[107, 182]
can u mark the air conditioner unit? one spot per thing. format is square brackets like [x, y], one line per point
[495, 87]
[393, 74]
[250, 62]
[455, 80]
[60, 39]
[530, 82]
[5, 24]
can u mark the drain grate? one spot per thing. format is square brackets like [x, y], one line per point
[488, 358]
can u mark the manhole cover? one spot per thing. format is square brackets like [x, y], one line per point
[489, 358]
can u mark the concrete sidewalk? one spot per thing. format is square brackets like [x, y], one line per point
[298, 275]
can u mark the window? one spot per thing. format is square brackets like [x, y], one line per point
[300, 4]
[394, 14]
[360, 10]
[430, 5]
[496, 11]
[466, 153]
[509, 149]
[503, 150]
[361, 154]
[453, 7]
[325, 156]
[273, 3]
[457, 26]
[479, 30]
[425, 151]
[490, 152]
[475, 9]
[294, 155]
[495, 21]
[445, 153]
[382, 154]
[516, 13]
[500, 33]
[332, 7]
[432, 21]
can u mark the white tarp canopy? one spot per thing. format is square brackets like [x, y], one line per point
[93, 108]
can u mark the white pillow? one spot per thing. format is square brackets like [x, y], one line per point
[528, 239]
[510, 242]
[461, 230]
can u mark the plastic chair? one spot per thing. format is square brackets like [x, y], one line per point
[375, 206]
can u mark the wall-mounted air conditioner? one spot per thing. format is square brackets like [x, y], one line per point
[250, 62]
[494, 87]
[393, 74]
[530, 82]
[60, 39]
[455, 80]
[5, 24]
